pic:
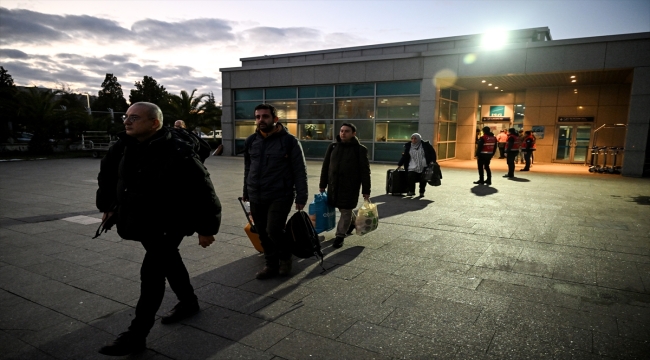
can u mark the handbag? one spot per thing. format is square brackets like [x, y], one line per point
[436, 175]
[427, 174]
[322, 215]
[367, 218]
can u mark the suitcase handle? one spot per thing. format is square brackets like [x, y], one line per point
[241, 202]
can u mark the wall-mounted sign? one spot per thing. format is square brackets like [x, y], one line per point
[495, 118]
[538, 131]
[575, 119]
[498, 110]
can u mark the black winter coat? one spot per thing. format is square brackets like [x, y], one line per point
[345, 169]
[157, 187]
[274, 168]
[429, 154]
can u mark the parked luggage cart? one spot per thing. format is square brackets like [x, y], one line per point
[96, 141]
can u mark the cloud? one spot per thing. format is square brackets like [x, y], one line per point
[30, 27]
[182, 33]
[265, 34]
[12, 54]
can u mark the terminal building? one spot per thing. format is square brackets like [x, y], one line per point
[573, 94]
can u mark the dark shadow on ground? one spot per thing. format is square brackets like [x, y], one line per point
[483, 190]
[389, 205]
[517, 179]
[641, 200]
[234, 305]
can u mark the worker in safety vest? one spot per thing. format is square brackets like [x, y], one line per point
[487, 146]
[527, 147]
[512, 150]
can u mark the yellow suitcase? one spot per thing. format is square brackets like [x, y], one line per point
[250, 230]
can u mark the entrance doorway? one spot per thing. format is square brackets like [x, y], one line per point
[572, 144]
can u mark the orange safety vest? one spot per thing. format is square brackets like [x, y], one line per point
[523, 142]
[489, 144]
[515, 145]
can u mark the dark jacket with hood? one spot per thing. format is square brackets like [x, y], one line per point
[345, 169]
[157, 187]
[429, 154]
[274, 168]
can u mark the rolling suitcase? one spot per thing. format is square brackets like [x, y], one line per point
[250, 230]
[396, 182]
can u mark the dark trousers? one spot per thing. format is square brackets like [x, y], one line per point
[527, 155]
[270, 220]
[413, 178]
[510, 160]
[502, 150]
[162, 261]
[483, 162]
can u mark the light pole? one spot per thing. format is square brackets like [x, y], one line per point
[88, 102]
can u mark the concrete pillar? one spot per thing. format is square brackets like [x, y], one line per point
[638, 123]
[466, 127]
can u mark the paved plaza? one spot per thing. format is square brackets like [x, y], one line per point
[544, 266]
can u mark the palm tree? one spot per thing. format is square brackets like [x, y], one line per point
[187, 107]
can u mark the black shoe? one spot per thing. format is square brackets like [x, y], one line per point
[479, 182]
[266, 273]
[285, 267]
[180, 312]
[488, 182]
[338, 242]
[410, 194]
[125, 344]
[508, 176]
[524, 169]
[421, 194]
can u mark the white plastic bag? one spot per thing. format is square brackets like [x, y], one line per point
[367, 218]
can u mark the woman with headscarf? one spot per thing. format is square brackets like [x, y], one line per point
[416, 156]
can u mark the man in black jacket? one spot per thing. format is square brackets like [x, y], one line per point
[136, 179]
[275, 173]
[345, 169]
[487, 146]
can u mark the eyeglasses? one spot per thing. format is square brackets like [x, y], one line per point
[131, 118]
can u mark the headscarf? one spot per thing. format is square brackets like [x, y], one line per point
[418, 161]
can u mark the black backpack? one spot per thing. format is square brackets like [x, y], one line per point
[302, 237]
[199, 146]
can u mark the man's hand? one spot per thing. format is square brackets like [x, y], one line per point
[206, 240]
[299, 206]
[366, 196]
[107, 215]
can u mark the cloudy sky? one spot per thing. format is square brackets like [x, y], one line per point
[182, 44]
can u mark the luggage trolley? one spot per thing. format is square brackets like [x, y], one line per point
[598, 152]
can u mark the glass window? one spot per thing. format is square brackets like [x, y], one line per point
[452, 131]
[388, 151]
[520, 110]
[445, 94]
[316, 91]
[314, 149]
[245, 109]
[443, 114]
[315, 130]
[443, 131]
[398, 88]
[286, 109]
[364, 128]
[291, 126]
[453, 111]
[281, 93]
[355, 90]
[442, 151]
[451, 150]
[355, 109]
[395, 131]
[248, 94]
[316, 109]
[402, 107]
[454, 95]
[244, 128]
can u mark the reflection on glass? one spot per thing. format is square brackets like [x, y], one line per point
[453, 111]
[452, 131]
[248, 94]
[451, 150]
[443, 114]
[403, 107]
[316, 109]
[355, 109]
[316, 91]
[286, 109]
[244, 128]
[398, 88]
[443, 130]
[583, 138]
[395, 131]
[355, 90]
[564, 143]
[281, 93]
[315, 130]
[442, 151]
[245, 110]
[388, 151]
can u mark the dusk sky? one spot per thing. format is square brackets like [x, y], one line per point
[182, 44]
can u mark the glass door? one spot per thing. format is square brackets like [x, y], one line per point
[572, 145]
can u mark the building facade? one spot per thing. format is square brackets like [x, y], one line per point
[573, 94]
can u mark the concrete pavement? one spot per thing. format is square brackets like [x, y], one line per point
[545, 266]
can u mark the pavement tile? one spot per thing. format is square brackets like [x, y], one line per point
[125, 269]
[83, 257]
[231, 298]
[619, 347]
[500, 257]
[301, 345]
[515, 347]
[391, 281]
[397, 344]
[634, 330]
[23, 258]
[61, 270]
[13, 348]
[109, 286]
[516, 291]
[536, 262]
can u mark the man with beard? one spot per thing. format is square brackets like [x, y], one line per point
[275, 173]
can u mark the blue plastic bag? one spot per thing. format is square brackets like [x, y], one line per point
[322, 215]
